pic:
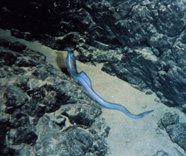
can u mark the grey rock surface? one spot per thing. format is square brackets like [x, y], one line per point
[175, 129]
[70, 141]
[43, 111]
[155, 56]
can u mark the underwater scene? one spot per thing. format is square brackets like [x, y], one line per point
[93, 78]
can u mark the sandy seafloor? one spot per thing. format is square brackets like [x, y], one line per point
[127, 137]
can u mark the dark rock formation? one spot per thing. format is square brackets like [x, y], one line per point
[43, 111]
[70, 141]
[155, 56]
[175, 129]
[141, 42]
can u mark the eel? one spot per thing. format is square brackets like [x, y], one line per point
[85, 82]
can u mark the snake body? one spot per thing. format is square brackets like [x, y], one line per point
[84, 81]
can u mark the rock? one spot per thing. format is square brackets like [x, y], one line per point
[84, 117]
[22, 135]
[7, 59]
[125, 69]
[178, 134]
[169, 119]
[16, 98]
[19, 34]
[70, 141]
[4, 128]
[99, 128]
[44, 112]
[175, 129]
[16, 46]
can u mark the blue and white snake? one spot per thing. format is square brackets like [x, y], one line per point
[84, 81]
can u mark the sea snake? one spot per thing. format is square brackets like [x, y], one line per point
[84, 81]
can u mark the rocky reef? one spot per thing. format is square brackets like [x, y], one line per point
[44, 112]
[142, 42]
[175, 129]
